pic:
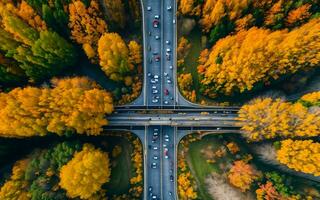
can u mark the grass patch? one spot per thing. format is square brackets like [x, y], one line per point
[121, 168]
[198, 164]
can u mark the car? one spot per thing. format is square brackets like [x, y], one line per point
[166, 136]
[168, 77]
[171, 178]
[164, 145]
[155, 129]
[157, 58]
[152, 81]
[169, 7]
[170, 67]
[156, 80]
[155, 137]
[168, 50]
[155, 157]
[218, 128]
[165, 74]
[149, 33]
[155, 133]
[154, 165]
[167, 42]
[170, 193]
[155, 100]
[154, 87]
[154, 197]
[157, 37]
[169, 81]
[156, 97]
[166, 102]
[156, 76]
[174, 21]
[154, 91]
[155, 23]
[150, 188]
[155, 148]
[154, 53]
[165, 153]
[149, 74]
[166, 139]
[153, 141]
[168, 56]
[171, 98]
[166, 92]
[149, 8]
[157, 16]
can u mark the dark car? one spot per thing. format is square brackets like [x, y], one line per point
[166, 91]
[171, 178]
[155, 23]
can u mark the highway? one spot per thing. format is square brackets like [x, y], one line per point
[161, 116]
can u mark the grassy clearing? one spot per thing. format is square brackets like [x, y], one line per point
[198, 164]
[121, 168]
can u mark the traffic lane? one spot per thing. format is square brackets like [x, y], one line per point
[168, 163]
[153, 66]
[153, 174]
[168, 36]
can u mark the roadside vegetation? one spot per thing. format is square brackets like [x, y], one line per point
[110, 166]
[45, 39]
[226, 167]
[245, 48]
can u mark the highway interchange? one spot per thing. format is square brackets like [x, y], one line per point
[160, 117]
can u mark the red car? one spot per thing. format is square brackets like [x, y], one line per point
[157, 58]
[166, 92]
[155, 23]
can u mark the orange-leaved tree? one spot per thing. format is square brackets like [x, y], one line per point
[242, 175]
[87, 26]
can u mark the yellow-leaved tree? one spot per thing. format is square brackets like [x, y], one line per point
[214, 10]
[265, 118]
[87, 26]
[238, 63]
[300, 155]
[135, 56]
[73, 104]
[16, 188]
[84, 175]
[114, 55]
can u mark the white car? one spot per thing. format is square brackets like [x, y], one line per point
[174, 21]
[155, 157]
[155, 148]
[155, 100]
[166, 136]
[166, 139]
[152, 81]
[165, 102]
[168, 50]
[157, 16]
[149, 8]
[154, 91]
[157, 37]
[156, 76]
[169, 8]
[169, 81]
[167, 42]
[154, 87]
[165, 74]
[170, 67]
[149, 74]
